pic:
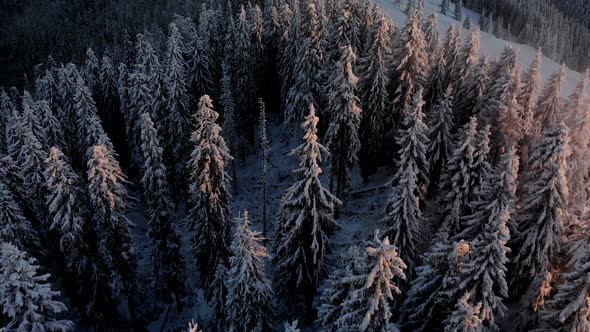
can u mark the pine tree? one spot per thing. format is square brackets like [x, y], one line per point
[200, 66]
[467, 58]
[230, 123]
[249, 296]
[459, 10]
[209, 211]
[343, 132]
[26, 297]
[368, 308]
[471, 96]
[450, 48]
[373, 92]
[178, 113]
[465, 318]
[541, 211]
[432, 36]
[411, 69]
[456, 184]
[484, 274]
[309, 62]
[440, 125]
[167, 260]
[92, 72]
[305, 224]
[68, 218]
[436, 84]
[139, 102]
[568, 309]
[52, 127]
[528, 98]
[467, 23]
[108, 198]
[31, 116]
[578, 166]
[15, 228]
[109, 95]
[219, 298]
[444, 7]
[549, 106]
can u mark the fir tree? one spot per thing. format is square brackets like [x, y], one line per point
[200, 67]
[167, 260]
[411, 69]
[26, 297]
[178, 114]
[549, 106]
[230, 123]
[249, 296]
[306, 86]
[219, 298]
[15, 228]
[92, 72]
[139, 102]
[264, 162]
[467, 58]
[343, 132]
[209, 211]
[440, 125]
[31, 116]
[472, 92]
[540, 216]
[108, 198]
[465, 318]
[528, 98]
[373, 92]
[436, 84]
[432, 36]
[459, 10]
[305, 224]
[467, 23]
[450, 48]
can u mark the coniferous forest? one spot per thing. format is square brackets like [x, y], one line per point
[293, 165]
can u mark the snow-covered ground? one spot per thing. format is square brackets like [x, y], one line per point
[491, 45]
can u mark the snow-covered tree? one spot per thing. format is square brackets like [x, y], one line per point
[109, 95]
[230, 119]
[263, 145]
[53, 131]
[209, 214]
[360, 295]
[32, 117]
[249, 297]
[450, 50]
[178, 113]
[309, 63]
[528, 98]
[26, 297]
[343, 132]
[432, 36]
[200, 65]
[440, 125]
[465, 317]
[471, 96]
[373, 92]
[436, 84]
[549, 110]
[92, 71]
[15, 228]
[411, 66]
[167, 260]
[305, 223]
[218, 302]
[139, 102]
[467, 58]
[542, 210]
[456, 184]
[568, 309]
[108, 198]
[467, 23]
[578, 166]
[291, 327]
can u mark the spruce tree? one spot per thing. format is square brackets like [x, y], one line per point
[459, 10]
[230, 120]
[108, 198]
[467, 23]
[436, 84]
[540, 216]
[450, 49]
[549, 106]
[467, 58]
[167, 260]
[26, 297]
[218, 302]
[432, 36]
[178, 113]
[440, 125]
[263, 145]
[305, 224]
[444, 7]
[15, 228]
[373, 92]
[411, 69]
[368, 308]
[200, 66]
[465, 317]
[249, 297]
[92, 72]
[343, 132]
[209, 199]
[309, 62]
[52, 127]
[528, 98]
[139, 102]
[472, 92]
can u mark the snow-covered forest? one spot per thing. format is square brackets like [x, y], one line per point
[294, 165]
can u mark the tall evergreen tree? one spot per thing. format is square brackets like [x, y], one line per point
[53, 131]
[219, 297]
[249, 298]
[15, 228]
[230, 120]
[459, 10]
[264, 162]
[26, 297]
[440, 125]
[92, 72]
[444, 7]
[167, 260]
[465, 317]
[471, 97]
[540, 216]
[343, 132]
[451, 46]
[432, 36]
[549, 106]
[528, 98]
[209, 210]
[373, 92]
[305, 224]
[411, 69]
[108, 198]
